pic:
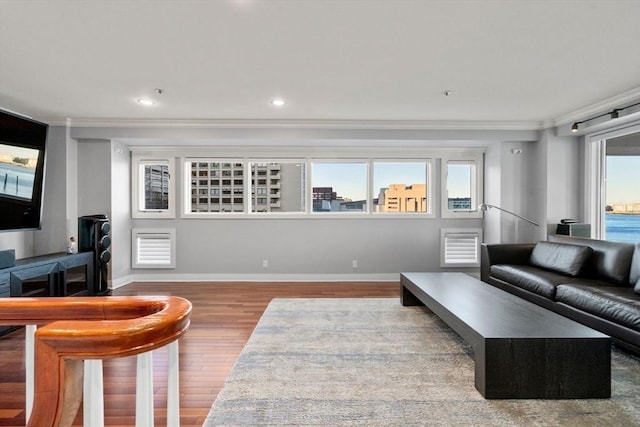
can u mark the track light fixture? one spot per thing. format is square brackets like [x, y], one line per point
[613, 114]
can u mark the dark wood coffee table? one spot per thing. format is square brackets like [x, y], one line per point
[521, 350]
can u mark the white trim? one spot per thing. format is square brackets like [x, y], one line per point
[330, 150]
[398, 156]
[595, 159]
[301, 124]
[240, 277]
[121, 281]
[595, 175]
[477, 185]
[137, 187]
[598, 107]
[267, 278]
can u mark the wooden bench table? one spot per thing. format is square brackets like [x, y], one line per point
[521, 350]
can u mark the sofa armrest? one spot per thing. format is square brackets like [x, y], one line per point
[503, 253]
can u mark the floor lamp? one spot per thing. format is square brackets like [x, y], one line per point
[485, 207]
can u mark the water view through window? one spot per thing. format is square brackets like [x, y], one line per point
[17, 171]
[622, 217]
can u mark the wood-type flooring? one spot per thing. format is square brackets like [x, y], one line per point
[224, 316]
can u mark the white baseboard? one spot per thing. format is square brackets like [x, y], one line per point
[385, 277]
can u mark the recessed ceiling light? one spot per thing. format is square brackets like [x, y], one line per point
[145, 101]
[277, 102]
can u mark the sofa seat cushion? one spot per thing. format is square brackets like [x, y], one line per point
[560, 257]
[530, 278]
[616, 304]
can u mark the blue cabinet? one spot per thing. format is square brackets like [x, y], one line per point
[53, 275]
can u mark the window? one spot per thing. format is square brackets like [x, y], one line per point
[622, 192]
[153, 195]
[461, 189]
[285, 187]
[339, 187]
[320, 186]
[215, 187]
[400, 187]
[283, 192]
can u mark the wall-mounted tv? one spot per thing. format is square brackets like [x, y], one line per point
[22, 163]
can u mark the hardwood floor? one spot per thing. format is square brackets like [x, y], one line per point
[224, 316]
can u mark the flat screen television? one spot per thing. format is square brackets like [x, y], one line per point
[22, 163]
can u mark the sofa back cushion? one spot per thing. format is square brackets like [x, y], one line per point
[634, 273]
[610, 261]
[560, 257]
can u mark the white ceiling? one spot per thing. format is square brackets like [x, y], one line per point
[524, 62]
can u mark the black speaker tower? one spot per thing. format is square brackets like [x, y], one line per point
[93, 236]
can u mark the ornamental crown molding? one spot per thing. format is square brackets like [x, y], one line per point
[618, 101]
[294, 124]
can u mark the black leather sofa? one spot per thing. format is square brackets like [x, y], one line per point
[594, 282]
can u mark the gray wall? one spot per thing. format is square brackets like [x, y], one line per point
[59, 189]
[514, 180]
[20, 241]
[303, 248]
[563, 159]
[521, 182]
[120, 218]
[92, 176]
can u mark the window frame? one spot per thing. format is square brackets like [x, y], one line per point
[477, 195]
[429, 179]
[595, 175]
[185, 162]
[138, 162]
[365, 162]
[433, 158]
[249, 202]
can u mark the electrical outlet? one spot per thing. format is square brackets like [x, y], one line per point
[265, 263]
[354, 263]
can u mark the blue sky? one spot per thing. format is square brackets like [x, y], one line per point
[349, 180]
[623, 179]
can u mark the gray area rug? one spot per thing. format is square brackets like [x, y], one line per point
[372, 362]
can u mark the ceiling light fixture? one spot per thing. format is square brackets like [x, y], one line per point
[613, 114]
[145, 101]
[278, 102]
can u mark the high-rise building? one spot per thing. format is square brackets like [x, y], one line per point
[156, 187]
[221, 187]
[322, 198]
[403, 198]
